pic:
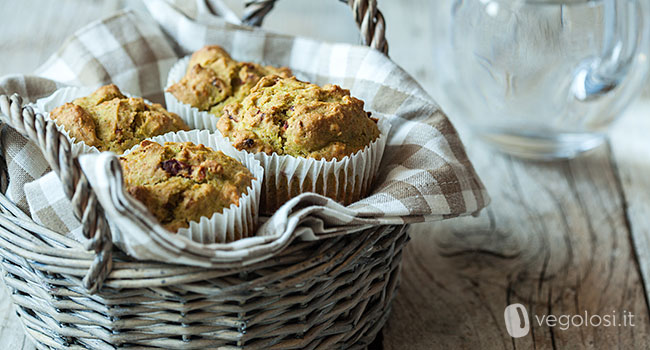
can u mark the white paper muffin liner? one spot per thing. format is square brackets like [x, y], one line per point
[346, 181]
[192, 116]
[61, 96]
[235, 222]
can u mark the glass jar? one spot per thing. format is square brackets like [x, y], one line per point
[540, 78]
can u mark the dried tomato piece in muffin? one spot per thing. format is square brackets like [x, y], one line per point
[182, 182]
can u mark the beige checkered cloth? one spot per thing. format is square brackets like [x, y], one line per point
[425, 174]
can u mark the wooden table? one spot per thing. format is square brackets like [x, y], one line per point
[561, 238]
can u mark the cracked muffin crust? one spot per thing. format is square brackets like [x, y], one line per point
[214, 79]
[110, 121]
[291, 117]
[182, 182]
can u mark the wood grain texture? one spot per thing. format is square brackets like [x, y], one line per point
[631, 150]
[12, 335]
[560, 238]
[556, 239]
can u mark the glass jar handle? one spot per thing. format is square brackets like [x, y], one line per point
[597, 76]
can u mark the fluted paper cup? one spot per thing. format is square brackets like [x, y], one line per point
[236, 221]
[345, 181]
[192, 116]
[62, 96]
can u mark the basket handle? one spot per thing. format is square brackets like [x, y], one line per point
[368, 18]
[56, 150]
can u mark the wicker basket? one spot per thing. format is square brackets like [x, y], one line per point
[334, 293]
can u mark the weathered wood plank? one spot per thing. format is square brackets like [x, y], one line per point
[555, 239]
[631, 149]
[12, 335]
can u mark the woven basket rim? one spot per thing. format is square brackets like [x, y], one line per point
[58, 254]
[96, 255]
[335, 292]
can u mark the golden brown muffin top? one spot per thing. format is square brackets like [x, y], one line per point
[291, 117]
[182, 182]
[110, 121]
[214, 79]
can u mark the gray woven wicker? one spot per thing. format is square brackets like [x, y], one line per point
[329, 294]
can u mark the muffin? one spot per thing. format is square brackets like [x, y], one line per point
[291, 117]
[181, 182]
[110, 121]
[213, 79]
[324, 130]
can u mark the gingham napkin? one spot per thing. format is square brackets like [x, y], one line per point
[425, 174]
